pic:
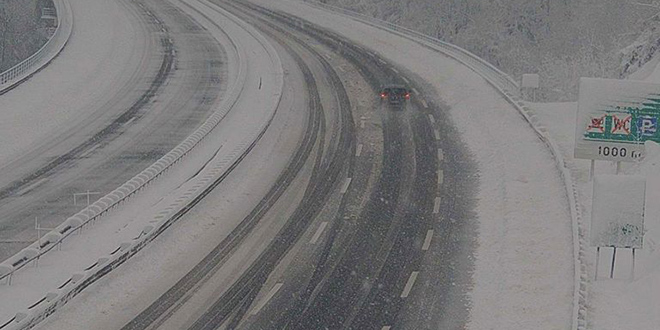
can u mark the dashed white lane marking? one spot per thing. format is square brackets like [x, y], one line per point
[358, 150]
[437, 134]
[409, 284]
[427, 240]
[406, 80]
[436, 205]
[395, 70]
[424, 103]
[318, 232]
[129, 121]
[31, 186]
[387, 327]
[381, 60]
[415, 91]
[347, 183]
[441, 155]
[432, 119]
[265, 300]
[441, 177]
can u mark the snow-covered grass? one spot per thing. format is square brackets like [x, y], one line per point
[621, 302]
[618, 303]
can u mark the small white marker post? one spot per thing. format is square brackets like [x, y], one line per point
[632, 269]
[530, 81]
[613, 259]
[597, 259]
[617, 220]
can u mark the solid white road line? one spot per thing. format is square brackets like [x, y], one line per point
[427, 240]
[409, 284]
[424, 103]
[347, 183]
[432, 119]
[436, 205]
[437, 134]
[318, 232]
[441, 155]
[441, 177]
[265, 300]
[358, 150]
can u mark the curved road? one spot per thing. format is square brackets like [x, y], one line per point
[366, 218]
[176, 73]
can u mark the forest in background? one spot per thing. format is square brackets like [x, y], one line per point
[22, 31]
[561, 40]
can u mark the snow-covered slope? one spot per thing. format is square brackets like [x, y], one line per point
[618, 303]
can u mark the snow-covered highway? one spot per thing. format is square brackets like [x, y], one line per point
[109, 106]
[429, 214]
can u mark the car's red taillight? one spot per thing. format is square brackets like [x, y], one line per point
[383, 95]
[407, 96]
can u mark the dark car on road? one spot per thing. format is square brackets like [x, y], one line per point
[394, 94]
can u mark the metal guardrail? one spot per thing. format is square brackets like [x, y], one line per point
[510, 90]
[26, 68]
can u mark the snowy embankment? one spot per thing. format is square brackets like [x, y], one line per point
[619, 303]
[44, 55]
[229, 133]
[524, 275]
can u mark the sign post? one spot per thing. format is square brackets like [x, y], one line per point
[530, 81]
[617, 216]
